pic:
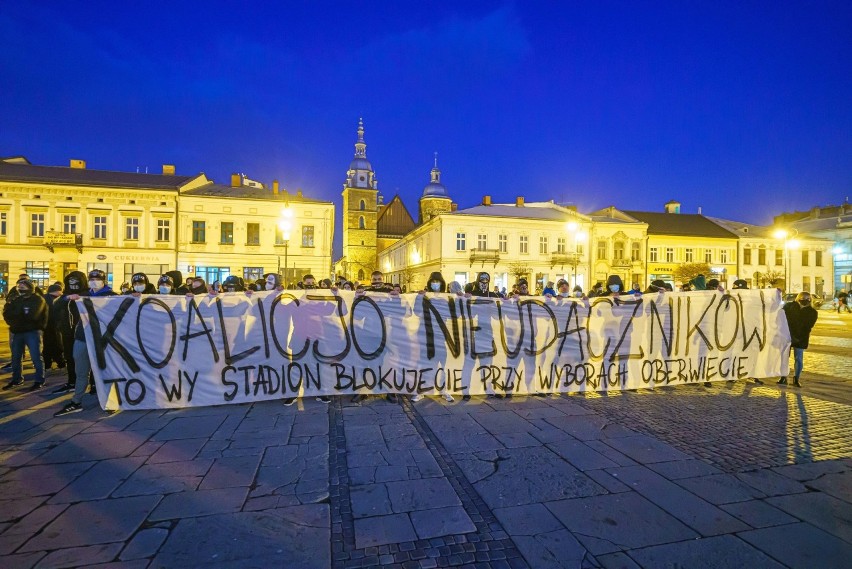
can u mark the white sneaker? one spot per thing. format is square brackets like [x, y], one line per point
[417, 398]
[448, 397]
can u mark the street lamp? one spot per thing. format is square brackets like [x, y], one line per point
[790, 242]
[285, 224]
[578, 236]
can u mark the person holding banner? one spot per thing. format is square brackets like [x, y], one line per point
[801, 317]
[98, 287]
[483, 286]
[165, 284]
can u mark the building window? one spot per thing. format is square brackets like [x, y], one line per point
[69, 224]
[618, 251]
[560, 245]
[805, 258]
[460, 241]
[689, 255]
[362, 206]
[307, 236]
[39, 273]
[361, 224]
[817, 258]
[37, 225]
[3, 216]
[601, 249]
[806, 284]
[163, 229]
[652, 253]
[199, 232]
[542, 245]
[708, 255]
[226, 233]
[482, 241]
[99, 224]
[779, 257]
[252, 234]
[635, 251]
[131, 229]
[361, 275]
[251, 274]
[503, 243]
[723, 256]
[669, 255]
[761, 256]
[524, 244]
[212, 274]
[746, 256]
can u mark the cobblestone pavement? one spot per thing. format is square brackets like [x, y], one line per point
[734, 475]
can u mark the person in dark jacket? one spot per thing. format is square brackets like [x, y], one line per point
[614, 286]
[139, 284]
[165, 284]
[98, 287]
[482, 286]
[26, 314]
[177, 282]
[74, 284]
[698, 283]
[801, 317]
[436, 283]
[740, 284]
[52, 350]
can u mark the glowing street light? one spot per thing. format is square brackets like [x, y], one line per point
[790, 242]
[285, 224]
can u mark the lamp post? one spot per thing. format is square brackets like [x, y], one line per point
[790, 242]
[285, 223]
[578, 236]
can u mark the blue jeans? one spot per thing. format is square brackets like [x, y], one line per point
[82, 366]
[31, 341]
[798, 362]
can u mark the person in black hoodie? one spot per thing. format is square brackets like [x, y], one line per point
[801, 317]
[614, 286]
[52, 350]
[98, 287]
[74, 284]
[177, 280]
[139, 284]
[482, 287]
[26, 315]
[436, 283]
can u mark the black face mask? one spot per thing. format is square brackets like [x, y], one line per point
[198, 289]
[804, 302]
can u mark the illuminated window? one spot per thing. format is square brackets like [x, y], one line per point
[307, 236]
[779, 257]
[226, 233]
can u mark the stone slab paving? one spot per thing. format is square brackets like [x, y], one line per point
[735, 475]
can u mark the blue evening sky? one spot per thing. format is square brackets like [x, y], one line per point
[742, 108]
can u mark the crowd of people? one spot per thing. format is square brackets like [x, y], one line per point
[48, 324]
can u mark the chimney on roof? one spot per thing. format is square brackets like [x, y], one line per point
[672, 207]
[815, 213]
[699, 210]
[298, 193]
[454, 206]
[486, 200]
[275, 187]
[235, 181]
[168, 169]
[519, 201]
[78, 164]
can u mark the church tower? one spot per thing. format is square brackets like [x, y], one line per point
[435, 199]
[360, 208]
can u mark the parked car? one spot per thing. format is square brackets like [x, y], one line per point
[816, 300]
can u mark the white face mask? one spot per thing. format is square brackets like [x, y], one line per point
[436, 287]
[139, 288]
[578, 294]
[165, 289]
[96, 284]
[614, 288]
[270, 286]
[564, 294]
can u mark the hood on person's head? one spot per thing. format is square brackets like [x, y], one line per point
[455, 287]
[176, 276]
[139, 282]
[712, 284]
[271, 281]
[698, 283]
[75, 282]
[55, 287]
[598, 286]
[614, 283]
[325, 283]
[657, 285]
[740, 284]
[233, 284]
[436, 283]
[198, 286]
[347, 285]
[483, 281]
[25, 286]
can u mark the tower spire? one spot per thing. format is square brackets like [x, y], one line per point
[360, 145]
[436, 173]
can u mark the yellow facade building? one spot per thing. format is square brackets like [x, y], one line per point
[57, 219]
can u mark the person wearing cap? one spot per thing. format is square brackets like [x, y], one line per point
[563, 288]
[523, 287]
[26, 314]
[74, 284]
[740, 284]
[165, 284]
[139, 285]
[233, 283]
[98, 288]
[52, 344]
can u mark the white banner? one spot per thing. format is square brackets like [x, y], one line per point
[161, 351]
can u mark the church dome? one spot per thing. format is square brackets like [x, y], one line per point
[435, 189]
[359, 163]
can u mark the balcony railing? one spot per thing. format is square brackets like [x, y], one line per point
[563, 259]
[53, 239]
[621, 263]
[484, 256]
